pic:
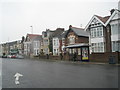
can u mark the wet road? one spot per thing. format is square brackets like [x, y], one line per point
[49, 74]
[0, 74]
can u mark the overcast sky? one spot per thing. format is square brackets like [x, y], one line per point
[16, 16]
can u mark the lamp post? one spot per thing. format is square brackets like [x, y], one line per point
[118, 51]
[31, 29]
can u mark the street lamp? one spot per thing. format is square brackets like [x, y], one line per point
[31, 29]
[118, 49]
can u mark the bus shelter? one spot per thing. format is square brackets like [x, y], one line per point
[80, 52]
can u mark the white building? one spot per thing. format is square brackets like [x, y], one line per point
[57, 41]
[56, 46]
[97, 30]
[104, 32]
[32, 45]
[104, 39]
[36, 45]
[114, 22]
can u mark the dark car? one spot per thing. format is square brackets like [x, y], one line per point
[4, 56]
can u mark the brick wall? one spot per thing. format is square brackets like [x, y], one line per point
[49, 57]
[78, 39]
[83, 40]
[104, 57]
[107, 38]
[94, 57]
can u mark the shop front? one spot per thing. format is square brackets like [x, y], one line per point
[78, 52]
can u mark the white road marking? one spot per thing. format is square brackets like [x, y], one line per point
[17, 75]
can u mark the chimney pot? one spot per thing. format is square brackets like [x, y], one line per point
[111, 11]
[70, 26]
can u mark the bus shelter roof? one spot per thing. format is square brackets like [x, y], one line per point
[78, 45]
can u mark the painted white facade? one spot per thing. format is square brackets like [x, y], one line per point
[56, 46]
[96, 38]
[36, 48]
[115, 31]
[115, 37]
[27, 47]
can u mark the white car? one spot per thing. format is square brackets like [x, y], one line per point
[9, 56]
[19, 56]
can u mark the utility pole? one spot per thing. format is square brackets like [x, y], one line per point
[8, 48]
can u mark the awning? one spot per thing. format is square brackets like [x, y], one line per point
[77, 45]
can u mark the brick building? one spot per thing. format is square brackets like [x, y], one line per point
[76, 42]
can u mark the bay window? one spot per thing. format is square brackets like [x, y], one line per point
[98, 47]
[115, 46]
[96, 32]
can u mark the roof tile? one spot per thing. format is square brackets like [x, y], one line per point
[103, 19]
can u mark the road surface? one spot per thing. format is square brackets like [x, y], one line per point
[51, 74]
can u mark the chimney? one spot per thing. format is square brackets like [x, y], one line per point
[70, 26]
[111, 11]
[23, 38]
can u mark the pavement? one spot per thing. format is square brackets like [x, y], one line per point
[78, 62]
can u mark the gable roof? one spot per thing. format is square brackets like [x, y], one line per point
[102, 20]
[58, 32]
[34, 36]
[78, 31]
[38, 38]
[12, 43]
[116, 11]
[64, 34]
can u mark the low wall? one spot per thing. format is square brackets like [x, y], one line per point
[104, 57]
[94, 57]
[50, 57]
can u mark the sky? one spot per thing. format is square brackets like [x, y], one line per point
[16, 16]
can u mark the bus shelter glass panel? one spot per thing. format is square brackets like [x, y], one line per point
[85, 53]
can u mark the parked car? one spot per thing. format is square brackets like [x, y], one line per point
[4, 56]
[19, 56]
[0, 56]
[9, 56]
[13, 56]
